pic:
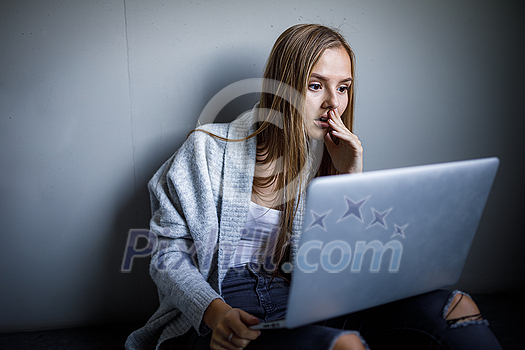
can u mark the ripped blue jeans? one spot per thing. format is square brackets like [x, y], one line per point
[418, 323]
[414, 323]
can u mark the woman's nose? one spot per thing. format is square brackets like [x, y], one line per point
[331, 100]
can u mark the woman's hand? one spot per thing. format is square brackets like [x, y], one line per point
[347, 154]
[230, 326]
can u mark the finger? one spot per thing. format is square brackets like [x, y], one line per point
[242, 330]
[223, 344]
[233, 332]
[221, 338]
[229, 343]
[352, 139]
[238, 342]
[339, 127]
[336, 118]
[329, 142]
[247, 318]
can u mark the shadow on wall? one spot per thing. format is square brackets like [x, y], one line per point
[131, 297]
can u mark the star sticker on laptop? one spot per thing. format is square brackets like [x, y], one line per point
[318, 220]
[353, 208]
[400, 231]
[379, 218]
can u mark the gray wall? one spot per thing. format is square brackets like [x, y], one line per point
[95, 95]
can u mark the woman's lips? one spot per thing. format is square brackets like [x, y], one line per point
[322, 121]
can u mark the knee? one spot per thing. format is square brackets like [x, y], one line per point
[462, 309]
[349, 342]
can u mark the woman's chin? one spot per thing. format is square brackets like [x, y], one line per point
[318, 133]
[318, 130]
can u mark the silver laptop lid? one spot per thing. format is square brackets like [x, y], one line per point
[381, 236]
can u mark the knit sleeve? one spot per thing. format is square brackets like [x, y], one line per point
[184, 198]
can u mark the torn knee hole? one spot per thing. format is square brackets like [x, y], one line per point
[461, 308]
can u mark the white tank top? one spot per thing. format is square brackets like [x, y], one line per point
[260, 230]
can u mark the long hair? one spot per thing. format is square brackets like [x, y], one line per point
[281, 135]
[291, 62]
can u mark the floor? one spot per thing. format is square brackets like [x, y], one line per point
[504, 311]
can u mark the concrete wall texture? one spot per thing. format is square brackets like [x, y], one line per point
[96, 95]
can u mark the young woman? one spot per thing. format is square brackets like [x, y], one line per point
[228, 207]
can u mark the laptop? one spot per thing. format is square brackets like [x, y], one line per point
[380, 236]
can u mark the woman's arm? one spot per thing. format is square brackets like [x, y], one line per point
[185, 221]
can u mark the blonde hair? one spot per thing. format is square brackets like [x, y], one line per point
[288, 70]
[291, 61]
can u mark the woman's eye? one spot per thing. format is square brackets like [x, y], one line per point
[314, 87]
[343, 89]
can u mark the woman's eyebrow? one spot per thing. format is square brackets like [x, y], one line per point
[322, 77]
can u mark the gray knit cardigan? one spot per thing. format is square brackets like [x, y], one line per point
[199, 201]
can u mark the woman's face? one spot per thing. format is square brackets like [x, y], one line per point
[327, 89]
